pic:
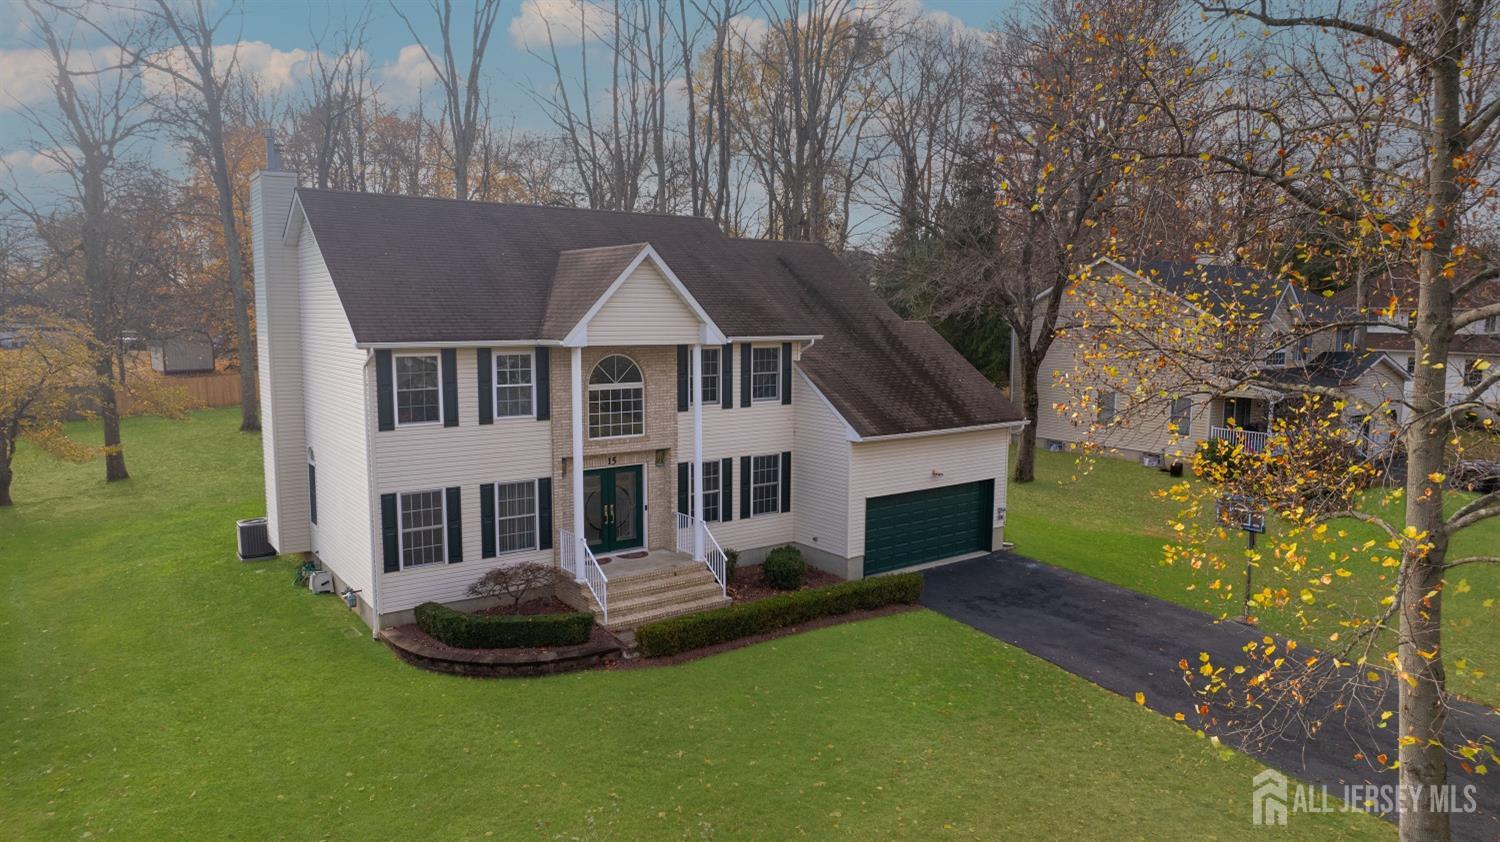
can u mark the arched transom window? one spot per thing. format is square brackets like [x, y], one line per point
[617, 399]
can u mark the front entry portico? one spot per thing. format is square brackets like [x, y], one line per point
[613, 509]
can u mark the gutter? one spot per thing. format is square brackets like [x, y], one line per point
[1002, 425]
[376, 569]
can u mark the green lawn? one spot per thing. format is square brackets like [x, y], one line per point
[1107, 523]
[157, 688]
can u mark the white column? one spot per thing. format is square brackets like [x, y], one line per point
[696, 374]
[576, 409]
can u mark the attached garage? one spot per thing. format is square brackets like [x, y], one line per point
[902, 530]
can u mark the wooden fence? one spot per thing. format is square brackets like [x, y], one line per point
[220, 388]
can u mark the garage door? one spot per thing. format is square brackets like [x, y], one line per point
[920, 526]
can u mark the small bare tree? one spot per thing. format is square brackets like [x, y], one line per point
[513, 583]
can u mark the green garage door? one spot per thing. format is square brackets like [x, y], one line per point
[921, 526]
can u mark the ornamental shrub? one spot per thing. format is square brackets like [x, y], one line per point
[503, 631]
[784, 569]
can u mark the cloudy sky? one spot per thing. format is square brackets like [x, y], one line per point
[275, 38]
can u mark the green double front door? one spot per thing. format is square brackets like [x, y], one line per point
[613, 508]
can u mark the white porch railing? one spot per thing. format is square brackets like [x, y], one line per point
[579, 560]
[1251, 440]
[713, 554]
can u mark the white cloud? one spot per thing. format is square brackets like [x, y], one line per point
[26, 74]
[751, 30]
[403, 79]
[272, 68]
[25, 162]
[536, 18]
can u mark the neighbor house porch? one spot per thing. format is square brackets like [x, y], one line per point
[1243, 417]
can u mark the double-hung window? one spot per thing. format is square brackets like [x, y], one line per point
[424, 526]
[1106, 407]
[418, 393]
[1411, 365]
[515, 516]
[765, 373]
[1492, 324]
[1473, 374]
[765, 485]
[1345, 339]
[1182, 415]
[514, 390]
[710, 376]
[1276, 358]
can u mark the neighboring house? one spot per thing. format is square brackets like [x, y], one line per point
[1244, 413]
[186, 354]
[1474, 345]
[451, 386]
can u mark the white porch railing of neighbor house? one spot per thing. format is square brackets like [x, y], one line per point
[579, 560]
[1251, 440]
[713, 554]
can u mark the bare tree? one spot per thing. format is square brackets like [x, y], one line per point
[463, 96]
[99, 116]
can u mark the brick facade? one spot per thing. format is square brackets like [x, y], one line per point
[657, 450]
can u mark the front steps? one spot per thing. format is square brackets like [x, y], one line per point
[640, 597]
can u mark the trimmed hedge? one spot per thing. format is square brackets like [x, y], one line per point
[503, 631]
[695, 631]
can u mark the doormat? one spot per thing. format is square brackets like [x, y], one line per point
[602, 561]
[638, 554]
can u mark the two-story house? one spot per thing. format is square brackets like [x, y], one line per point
[450, 386]
[1297, 353]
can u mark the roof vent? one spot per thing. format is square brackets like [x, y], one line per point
[1213, 260]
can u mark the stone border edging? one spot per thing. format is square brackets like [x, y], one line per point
[414, 647]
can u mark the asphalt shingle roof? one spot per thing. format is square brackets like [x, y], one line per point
[412, 270]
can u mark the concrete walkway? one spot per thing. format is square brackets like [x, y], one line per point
[1127, 642]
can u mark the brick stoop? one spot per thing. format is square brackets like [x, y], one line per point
[650, 595]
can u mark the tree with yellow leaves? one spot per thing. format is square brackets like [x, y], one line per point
[39, 380]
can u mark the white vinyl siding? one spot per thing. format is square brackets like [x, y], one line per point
[515, 385]
[820, 468]
[334, 373]
[913, 464]
[469, 455]
[645, 310]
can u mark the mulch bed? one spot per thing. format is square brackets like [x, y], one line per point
[746, 586]
[707, 651]
[545, 605]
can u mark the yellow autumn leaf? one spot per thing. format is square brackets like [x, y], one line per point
[1140, 698]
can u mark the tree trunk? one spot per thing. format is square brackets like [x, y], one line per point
[7, 452]
[1030, 403]
[243, 340]
[109, 417]
[1424, 762]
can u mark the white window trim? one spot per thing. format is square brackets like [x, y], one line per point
[396, 392]
[536, 517]
[718, 495]
[718, 378]
[592, 387]
[495, 383]
[751, 374]
[774, 457]
[442, 494]
[1182, 429]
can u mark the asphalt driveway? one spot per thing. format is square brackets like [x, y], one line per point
[1128, 642]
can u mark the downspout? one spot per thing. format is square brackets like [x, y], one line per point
[371, 497]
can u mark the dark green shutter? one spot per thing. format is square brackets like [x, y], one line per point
[388, 526]
[455, 525]
[543, 377]
[484, 358]
[745, 374]
[744, 487]
[385, 393]
[312, 492]
[683, 384]
[487, 520]
[544, 513]
[684, 480]
[450, 387]
[726, 490]
[786, 374]
[786, 480]
[726, 377]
